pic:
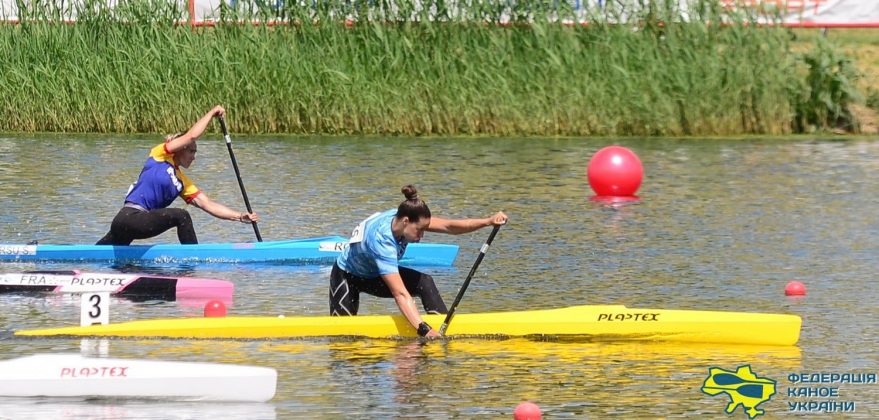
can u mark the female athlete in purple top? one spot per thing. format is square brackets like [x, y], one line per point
[146, 213]
[369, 261]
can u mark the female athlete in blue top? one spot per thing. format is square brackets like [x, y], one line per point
[146, 213]
[369, 261]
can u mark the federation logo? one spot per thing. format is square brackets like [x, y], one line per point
[742, 387]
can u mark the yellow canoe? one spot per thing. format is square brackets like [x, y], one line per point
[589, 322]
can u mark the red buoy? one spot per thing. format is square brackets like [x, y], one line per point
[527, 411]
[615, 171]
[214, 308]
[795, 288]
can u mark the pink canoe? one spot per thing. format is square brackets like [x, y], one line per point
[138, 287]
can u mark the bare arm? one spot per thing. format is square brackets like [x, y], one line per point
[459, 226]
[220, 211]
[195, 131]
[405, 301]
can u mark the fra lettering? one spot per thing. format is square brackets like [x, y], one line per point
[33, 279]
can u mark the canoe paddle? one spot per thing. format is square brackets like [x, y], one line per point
[482, 252]
[228, 139]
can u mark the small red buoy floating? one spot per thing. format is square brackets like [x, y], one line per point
[795, 288]
[527, 411]
[615, 171]
[214, 309]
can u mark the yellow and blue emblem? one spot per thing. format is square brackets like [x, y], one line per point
[742, 387]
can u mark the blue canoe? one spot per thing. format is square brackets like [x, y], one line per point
[322, 250]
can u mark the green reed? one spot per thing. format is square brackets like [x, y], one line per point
[830, 89]
[490, 67]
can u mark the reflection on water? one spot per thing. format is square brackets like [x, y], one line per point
[720, 225]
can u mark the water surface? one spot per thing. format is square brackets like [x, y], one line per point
[722, 224]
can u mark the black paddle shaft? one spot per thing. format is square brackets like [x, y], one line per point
[479, 258]
[228, 139]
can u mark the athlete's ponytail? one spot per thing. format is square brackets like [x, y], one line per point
[170, 137]
[412, 207]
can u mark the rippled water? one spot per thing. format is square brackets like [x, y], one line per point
[721, 225]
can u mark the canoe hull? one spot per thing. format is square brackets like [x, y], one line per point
[71, 375]
[590, 322]
[321, 250]
[137, 287]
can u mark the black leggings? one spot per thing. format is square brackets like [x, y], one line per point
[130, 224]
[345, 290]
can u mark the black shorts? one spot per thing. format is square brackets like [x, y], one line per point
[132, 223]
[345, 289]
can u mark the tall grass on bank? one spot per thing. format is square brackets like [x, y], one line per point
[830, 89]
[479, 67]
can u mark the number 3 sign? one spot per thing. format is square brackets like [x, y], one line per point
[94, 309]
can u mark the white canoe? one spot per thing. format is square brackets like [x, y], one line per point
[86, 409]
[72, 375]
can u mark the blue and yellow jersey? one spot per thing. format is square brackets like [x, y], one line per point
[372, 250]
[160, 182]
